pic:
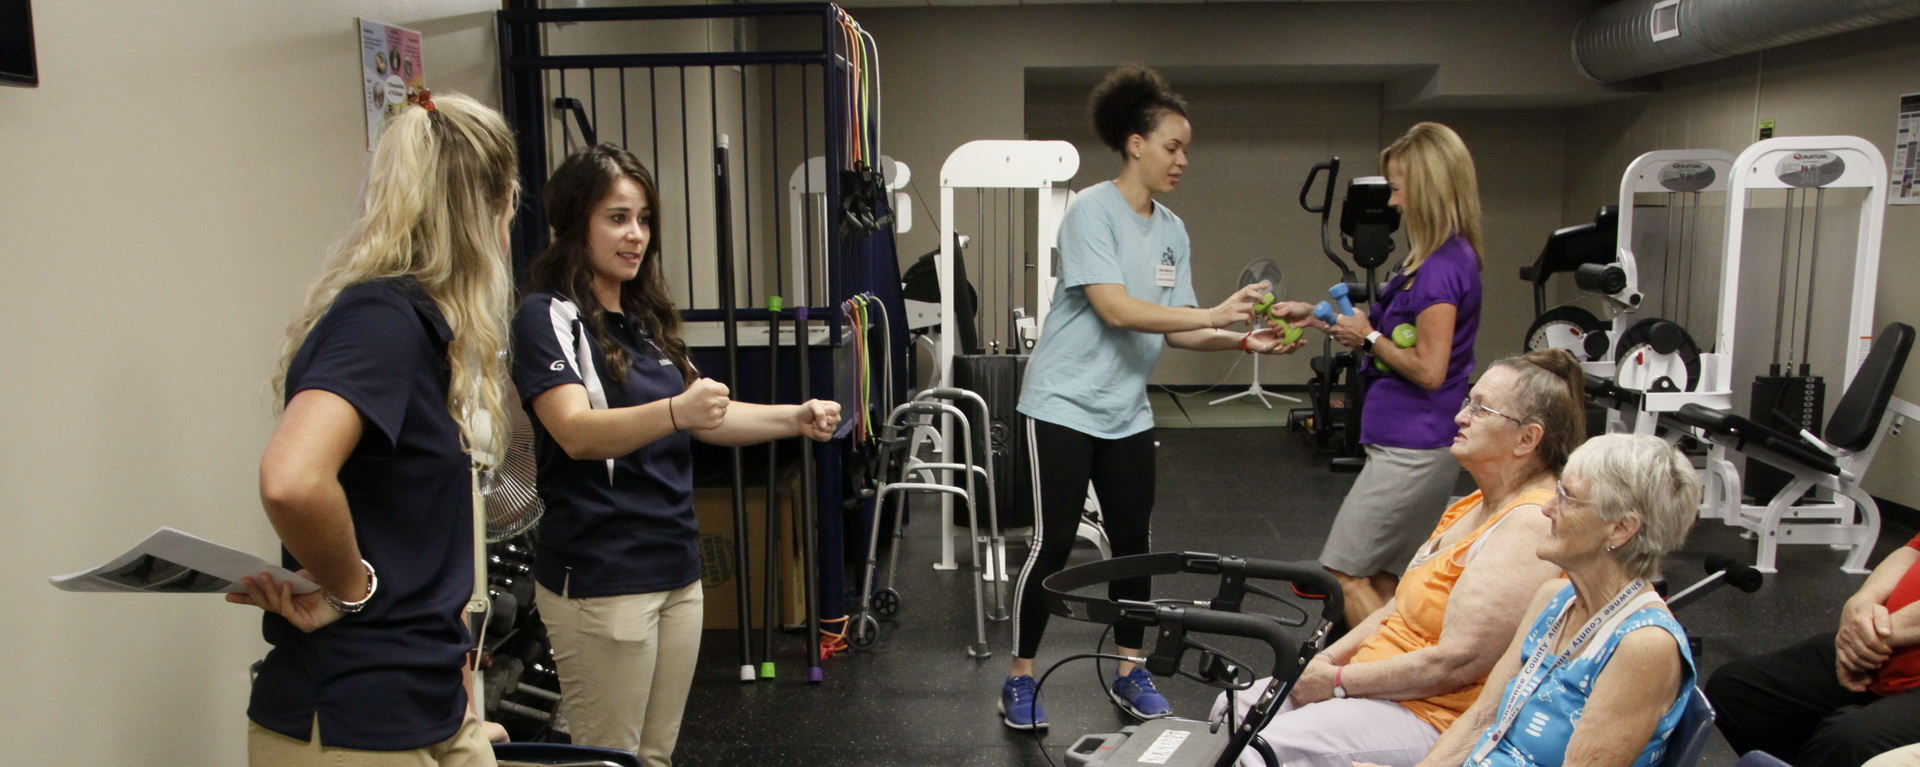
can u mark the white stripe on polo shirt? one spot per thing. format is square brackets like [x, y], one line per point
[573, 343]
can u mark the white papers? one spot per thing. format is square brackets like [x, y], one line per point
[173, 562]
[1906, 153]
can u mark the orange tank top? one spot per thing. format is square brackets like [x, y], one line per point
[1420, 604]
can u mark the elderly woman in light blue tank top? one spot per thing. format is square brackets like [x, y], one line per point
[1602, 674]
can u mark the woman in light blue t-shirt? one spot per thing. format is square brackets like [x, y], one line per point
[1124, 289]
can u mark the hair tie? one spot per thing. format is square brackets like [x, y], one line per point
[426, 100]
[670, 417]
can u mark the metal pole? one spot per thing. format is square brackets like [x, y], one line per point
[772, 547]
[808, 511]
[723, 235]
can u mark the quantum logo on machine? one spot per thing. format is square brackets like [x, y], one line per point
[1809, 170]
[1687, 176]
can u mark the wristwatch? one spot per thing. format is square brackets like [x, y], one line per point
[1339, 690]
[1367, 345]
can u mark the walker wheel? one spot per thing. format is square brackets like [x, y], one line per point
[865, 632]
[886, 602]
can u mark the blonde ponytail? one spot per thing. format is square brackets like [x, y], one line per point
[441, 185]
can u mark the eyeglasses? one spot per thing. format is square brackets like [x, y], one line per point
[1560, 492]
[1475, 409]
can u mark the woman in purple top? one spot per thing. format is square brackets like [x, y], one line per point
[1407, 423]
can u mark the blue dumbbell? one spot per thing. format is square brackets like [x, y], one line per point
[1323, 311]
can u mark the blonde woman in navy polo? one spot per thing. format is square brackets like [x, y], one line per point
[366, 480]
[600, 364]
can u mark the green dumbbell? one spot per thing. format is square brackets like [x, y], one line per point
[1403, 337]
[1290, 334]
[1266, 303]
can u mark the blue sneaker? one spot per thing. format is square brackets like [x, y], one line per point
[1135, 695]
[1018, 708]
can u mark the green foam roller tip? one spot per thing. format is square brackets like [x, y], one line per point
[774, 304]
[1403, 335]
[766, 670]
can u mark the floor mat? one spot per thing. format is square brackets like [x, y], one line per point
[1192, 411]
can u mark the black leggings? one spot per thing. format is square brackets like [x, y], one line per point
[1789, 703]
[1122, 472]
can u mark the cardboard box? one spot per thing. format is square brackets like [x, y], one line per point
[714, 508]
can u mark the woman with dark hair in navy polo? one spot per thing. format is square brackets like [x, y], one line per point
[599, 363]
[388, 373]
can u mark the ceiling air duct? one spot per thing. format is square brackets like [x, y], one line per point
[1641, 37]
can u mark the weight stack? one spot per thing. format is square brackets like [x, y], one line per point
[1789, 404]
[997, 378]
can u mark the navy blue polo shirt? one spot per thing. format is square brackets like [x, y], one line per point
[387, 678]
[613, 527]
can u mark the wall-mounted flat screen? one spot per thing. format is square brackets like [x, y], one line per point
[18, 65]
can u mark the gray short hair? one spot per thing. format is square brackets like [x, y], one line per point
[1550, 390]
[1638, 474]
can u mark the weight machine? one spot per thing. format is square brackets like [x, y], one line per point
[1819, 500]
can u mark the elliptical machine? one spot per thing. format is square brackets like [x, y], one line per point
[1367, 224]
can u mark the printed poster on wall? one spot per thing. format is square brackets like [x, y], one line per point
[1906, 153]
[392, 73]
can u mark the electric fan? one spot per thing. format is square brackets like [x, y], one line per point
[1259, 270]
[505, 504]
[511, 499]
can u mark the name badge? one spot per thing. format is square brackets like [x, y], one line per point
[1164, 274]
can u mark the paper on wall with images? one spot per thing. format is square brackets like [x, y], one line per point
[172, 562]
[1905, 176]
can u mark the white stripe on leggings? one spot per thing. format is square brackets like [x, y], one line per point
[1033, 551]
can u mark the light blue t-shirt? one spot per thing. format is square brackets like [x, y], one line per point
[1084, 375]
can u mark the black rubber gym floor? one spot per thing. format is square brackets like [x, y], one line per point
[917, 699]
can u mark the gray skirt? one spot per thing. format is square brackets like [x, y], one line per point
[1391, 510]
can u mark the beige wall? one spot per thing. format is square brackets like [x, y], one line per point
[171, 186]
[1844, 85]
[169, 190]
[1264, 111]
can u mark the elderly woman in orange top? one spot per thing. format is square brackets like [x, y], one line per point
[1385, 691]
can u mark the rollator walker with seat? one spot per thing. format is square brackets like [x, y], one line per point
[1175, 742]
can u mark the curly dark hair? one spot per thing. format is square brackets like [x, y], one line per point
[573, 191]
[1130, 101]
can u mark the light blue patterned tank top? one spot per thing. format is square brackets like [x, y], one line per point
[1539, 735]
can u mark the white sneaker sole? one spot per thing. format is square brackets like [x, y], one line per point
[1040, 725]
[1131, 711]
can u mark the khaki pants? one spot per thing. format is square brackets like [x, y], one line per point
[467, 748]
[1905, 756]
[626, 666]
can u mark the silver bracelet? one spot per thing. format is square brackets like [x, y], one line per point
[349, 608]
